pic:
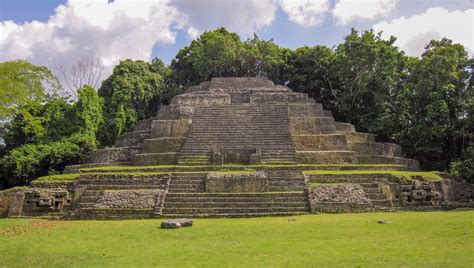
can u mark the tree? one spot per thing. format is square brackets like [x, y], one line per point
[214, 53]
[308, 70]
[130, 94]
[439, 97]
[22, 83]
[86, 71]
[368, 73]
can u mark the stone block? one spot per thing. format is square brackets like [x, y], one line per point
[326, 157]
[268, 98]
[201, 100]
[129, 199]
[111, 155]
[305, 109]
[148, 159]
[170, 128]
[162, 145]
[240, 97]
[235, 183]
[174, 224]
[360, 137]
[312, 125]
[11, 202]
[345, 127]
[323, 142]
[242, 82]
[132, 139]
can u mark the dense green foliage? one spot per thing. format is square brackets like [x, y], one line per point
[413, 239]
[22, 83]
[63, 134]
[130, 94]
[425, 104]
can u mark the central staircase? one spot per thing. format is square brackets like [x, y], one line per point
[186, 197]
[242, 126]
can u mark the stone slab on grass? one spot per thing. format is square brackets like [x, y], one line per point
[175, 224]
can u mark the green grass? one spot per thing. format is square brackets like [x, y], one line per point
[58, 178]
[413, 239]
[430, 175]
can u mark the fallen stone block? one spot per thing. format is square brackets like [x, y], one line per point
[174, 224]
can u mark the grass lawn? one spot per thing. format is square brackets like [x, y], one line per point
[413, 239]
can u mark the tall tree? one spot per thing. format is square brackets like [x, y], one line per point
[440, 96]
[214, 53]
[130, 94]
[22, 83]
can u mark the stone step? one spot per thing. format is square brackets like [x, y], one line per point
[233, 215]
[170, 205]
[93, 213]
[124, 187]
[232, 210]
[232, 199]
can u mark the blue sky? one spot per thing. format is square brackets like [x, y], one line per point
[41, 32]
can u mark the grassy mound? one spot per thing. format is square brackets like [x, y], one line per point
[413, 239]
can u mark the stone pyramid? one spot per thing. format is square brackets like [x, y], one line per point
[237, 147]
[246, 120]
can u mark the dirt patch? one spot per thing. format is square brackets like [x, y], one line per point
[26, 228]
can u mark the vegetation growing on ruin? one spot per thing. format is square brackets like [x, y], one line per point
[412, 239]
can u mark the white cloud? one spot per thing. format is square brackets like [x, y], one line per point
[305, 12]
[244, 16]
[415, 32]
[349, 10]
[113, 31]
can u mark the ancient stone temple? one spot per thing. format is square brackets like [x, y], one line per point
[238, 147]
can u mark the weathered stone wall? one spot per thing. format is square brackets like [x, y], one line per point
[312, 125]
[129, 199]
[339, 198]
[326, 142]
[326, 157]
[111, 155]
[229, 183]
[163, 145]
[201, 100]
[170, 128]
[244, 82]
[11, 202]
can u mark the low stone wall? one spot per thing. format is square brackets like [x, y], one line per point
[233, 183]
[339, 198]
[129, 199]
[324, 142]
[148, 159]
[110, 155]
[163, 145]
[305, 109]
[326, 157]
[170, 128]
[201, 100]
[11, 202]
[312, 125]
